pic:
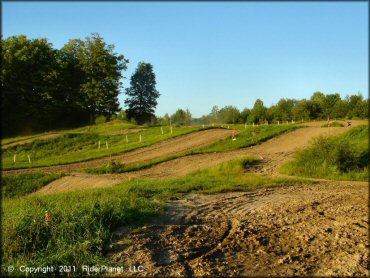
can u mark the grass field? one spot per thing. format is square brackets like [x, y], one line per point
[344, 157]
[82, 145]
[81, 223]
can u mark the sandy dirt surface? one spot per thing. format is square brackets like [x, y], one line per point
[271, 155]
[165, 148]
[319, 229]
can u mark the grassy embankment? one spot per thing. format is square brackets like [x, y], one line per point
[82, 145]
[81, 223]
[247, 137]
[343, 157]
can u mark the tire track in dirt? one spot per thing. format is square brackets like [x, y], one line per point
[164, 148]
[271, 153]
[319, 229]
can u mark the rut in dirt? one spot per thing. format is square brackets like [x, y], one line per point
[297, 230]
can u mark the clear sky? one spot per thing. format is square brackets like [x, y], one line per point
[217, 53]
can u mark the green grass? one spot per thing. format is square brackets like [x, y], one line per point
[77, 147]
[344, 157]
[247, 137]
[334, 124]
[23, 184]
[82, 222]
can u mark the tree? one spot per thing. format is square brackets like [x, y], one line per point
[214, 114]
[229, 114]
[182, 117]
[258, 113]
[102, 68]
[142, 94]
[28, 83]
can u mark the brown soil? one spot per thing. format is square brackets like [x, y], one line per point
[165, 148]
[271, 153]
[319, 229]
[25, 141]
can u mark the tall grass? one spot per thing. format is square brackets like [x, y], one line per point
[23, 184]
[344, 157]
[81, 223]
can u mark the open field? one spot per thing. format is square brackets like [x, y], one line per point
[229, 212]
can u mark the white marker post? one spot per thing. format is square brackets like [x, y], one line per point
[140, 138]
[171, 129]
[162, 130]
[29, 158]
[99, 144]
[126, 139]
[245, 125]
[14, 158]
[106, 143]
[253, 124]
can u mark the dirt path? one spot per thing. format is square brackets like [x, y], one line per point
[317, 229]
[165, 148]
[271, 153]
[29, 140]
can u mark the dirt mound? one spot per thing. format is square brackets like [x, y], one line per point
[165, 148]
[298, 230]
[271, 153]
[25, 141]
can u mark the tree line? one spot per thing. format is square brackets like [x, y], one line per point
[45, 88]
[319, 107]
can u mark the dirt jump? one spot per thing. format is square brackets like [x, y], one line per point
[319, 229]
[271, 155]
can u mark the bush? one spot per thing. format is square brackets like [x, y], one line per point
[100, 119]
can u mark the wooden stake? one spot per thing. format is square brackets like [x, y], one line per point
[29, 158]
[140, 138]
[126, 139]
[14, 157]
[99, 144]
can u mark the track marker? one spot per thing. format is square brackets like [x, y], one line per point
[106, 143]
[29, 158]
[14, 157]
[126, 139]
[99, 144]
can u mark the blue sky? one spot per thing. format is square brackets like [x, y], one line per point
[217, 53]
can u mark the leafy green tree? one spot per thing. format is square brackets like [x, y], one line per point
[102, 68]
[329, 103]
[284, 109]
[258, 113]
[229, 114]
[214, 116]
[182, 117]
[142, 95]
[28, 82]
[244, 115]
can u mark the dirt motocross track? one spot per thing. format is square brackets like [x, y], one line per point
[318, 229]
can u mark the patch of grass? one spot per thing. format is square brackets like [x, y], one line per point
[77, 147]
[23, 184]
[247, 137]
[334, 124]
[82, 222]
[344, 157]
